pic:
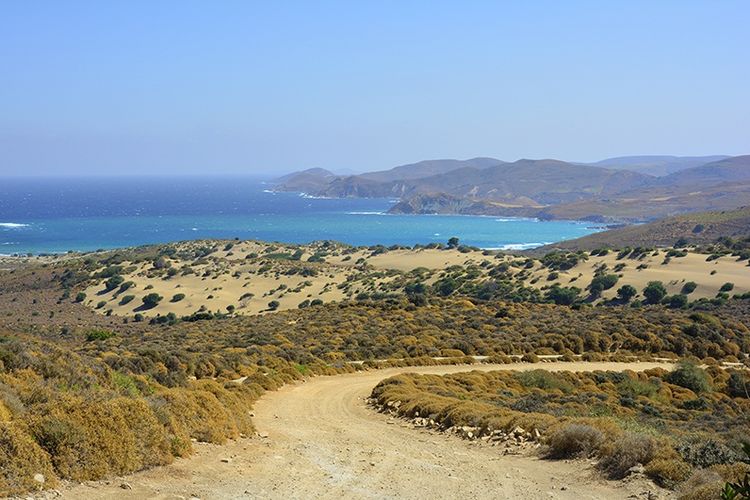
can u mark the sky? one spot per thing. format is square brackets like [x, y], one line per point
[199, 87]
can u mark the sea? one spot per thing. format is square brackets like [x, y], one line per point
[57, 215]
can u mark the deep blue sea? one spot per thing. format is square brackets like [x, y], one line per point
[57, 215]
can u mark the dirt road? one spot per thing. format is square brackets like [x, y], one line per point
[324, 442]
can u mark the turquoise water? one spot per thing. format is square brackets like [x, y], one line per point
[57, 216]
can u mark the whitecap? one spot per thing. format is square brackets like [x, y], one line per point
[12, 225]
[522, 246]
[364, 213]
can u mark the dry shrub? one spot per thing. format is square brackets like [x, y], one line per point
[151, 444]
[668, 472]
[703, 484]
[236, 399]
[4, 412]
[619, 455]
[20, 459]
[706, 484]
[93, 439]
[195, 414]
[574, 440]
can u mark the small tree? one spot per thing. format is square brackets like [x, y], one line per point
[80, 297]
[654, 292]
[563, 296]
[273, 305]
[453, 242]
[626, 292]
[113, 282]
[689, 287]
[151, 300]
[677, 301]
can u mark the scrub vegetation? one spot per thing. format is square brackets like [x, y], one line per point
[89, 393]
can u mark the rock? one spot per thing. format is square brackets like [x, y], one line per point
[637, 469]
[126, 486]
[262, 435]
[39, 478]
[226, 460]
[537, 434]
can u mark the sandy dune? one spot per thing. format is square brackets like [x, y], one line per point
[320, 440]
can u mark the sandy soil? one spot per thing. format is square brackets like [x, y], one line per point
[320, 440]
[679, 270]
[407, 260]
[228, 279]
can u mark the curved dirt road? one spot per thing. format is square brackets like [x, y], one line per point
[324, 442]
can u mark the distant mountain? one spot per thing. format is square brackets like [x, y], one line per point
[549, 189]
[702, 227]
[307, 181]
[733, 169]
[657, 165]
[524, 183]
[428, 168]
[442, 203]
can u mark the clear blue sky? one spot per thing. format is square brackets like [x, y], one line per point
[179, 86]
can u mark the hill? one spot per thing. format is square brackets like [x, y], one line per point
[734, 169]
[428, 168]
[657, 165]
[703, 227]
[306, 181]
[548, 189]
[716, 186]
[524, 183]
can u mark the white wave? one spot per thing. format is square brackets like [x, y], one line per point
[365, 213]
[522, 246]
[269, 191]
[312, 197]
[12, 225]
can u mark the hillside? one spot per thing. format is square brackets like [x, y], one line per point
[524, 183]
[703, 227]
[721, 185]
[734, 169]
[657, 165]
[428, 168]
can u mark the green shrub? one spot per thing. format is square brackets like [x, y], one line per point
[177, 297]
[626, 292]
[689, 287]
[126, 299]
[151, 300]
[654, 292]
[99, 334]
[689, 375]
